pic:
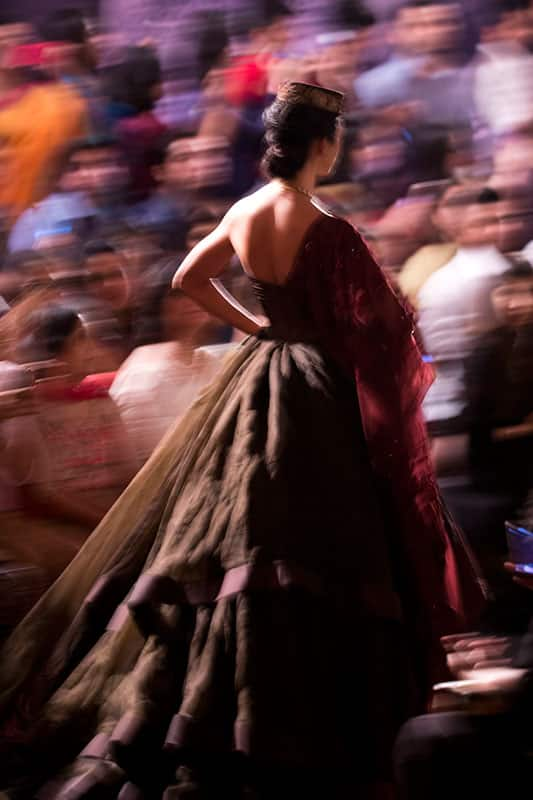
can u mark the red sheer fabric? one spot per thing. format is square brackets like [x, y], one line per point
[371, 331]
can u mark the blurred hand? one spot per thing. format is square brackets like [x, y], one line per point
[471, 652]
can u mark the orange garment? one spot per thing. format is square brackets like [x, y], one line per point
[35, 129]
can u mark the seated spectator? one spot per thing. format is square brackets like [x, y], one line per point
[485, 465]
[380, 159]
[483, 747]
[247, 77]
[89, 177]
[97, 170]
[238, 86]
[134, 86]
[108, 282]
[77, 64]
[89, 458]
[426, 68]
[61, 271]
[455, 307]
[499, 384]
[35, 129]
[403, 228]
[44, 519]
[503, 91]
[447, 220]
[160, 379]
[191, 167]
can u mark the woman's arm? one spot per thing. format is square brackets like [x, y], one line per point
[197, 277]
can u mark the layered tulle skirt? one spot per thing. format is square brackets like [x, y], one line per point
[238, 621]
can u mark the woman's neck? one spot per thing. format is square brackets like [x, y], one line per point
[306, 179]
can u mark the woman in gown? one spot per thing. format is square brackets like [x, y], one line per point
[262, 608]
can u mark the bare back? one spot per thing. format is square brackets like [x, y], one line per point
[267, 230]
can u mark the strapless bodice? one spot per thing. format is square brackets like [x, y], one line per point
[286, 308]
[287, 305]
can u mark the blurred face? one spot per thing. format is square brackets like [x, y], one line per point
[107, 279]
[429, 29]
[513, 302]
[514, 25]
[97, 173]
[174, 172]
[449, 215]
[512, 160]
[516, 224]
[209, 167]
[480, 226]
[378, 159]
[196, 164]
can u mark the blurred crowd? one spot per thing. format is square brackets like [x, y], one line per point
[113, 163]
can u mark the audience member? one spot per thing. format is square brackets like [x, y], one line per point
[87, 449]
[190, 167]
[447, 219]
[45, 514]
[67, 207]
[36, 127]
[455, 307]
[110, 283]
[482, 747]
[76, 61]
[134, 86]
[499, 386]
[426, 69]
[162, 377]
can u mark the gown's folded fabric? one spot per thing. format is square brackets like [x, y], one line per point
[271, 587]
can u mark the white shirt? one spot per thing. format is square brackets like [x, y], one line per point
[153, 389]
[454, 305]
[504, 86]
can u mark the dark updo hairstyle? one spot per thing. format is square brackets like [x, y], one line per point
[291, 128]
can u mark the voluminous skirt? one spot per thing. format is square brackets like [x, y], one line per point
[240, 614]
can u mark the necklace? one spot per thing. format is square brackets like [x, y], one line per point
[298, 189]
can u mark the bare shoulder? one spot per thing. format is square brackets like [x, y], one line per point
[250, 206]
